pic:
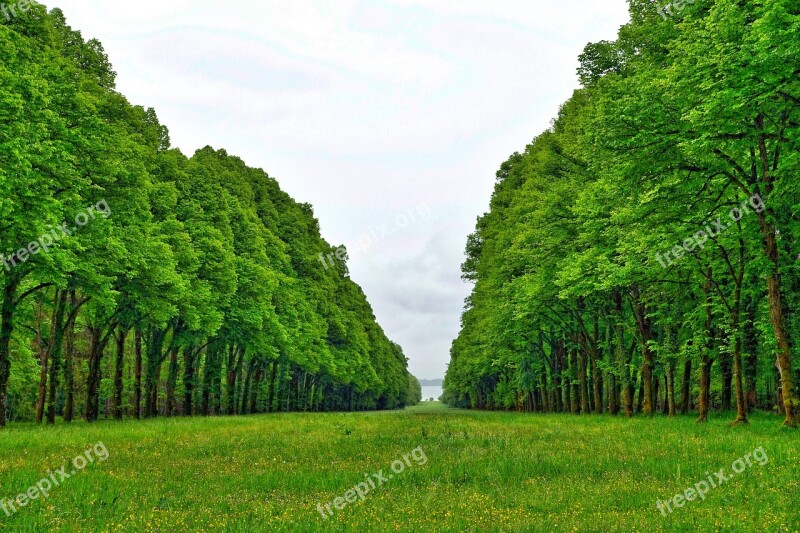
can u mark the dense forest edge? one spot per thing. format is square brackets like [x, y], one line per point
[138, 282]
[640, 256]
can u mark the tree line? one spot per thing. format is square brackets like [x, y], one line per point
[641, 254]
[140, 282]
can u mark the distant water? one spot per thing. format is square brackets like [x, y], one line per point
[431, 392]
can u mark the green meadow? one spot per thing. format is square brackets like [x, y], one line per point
[476, 471]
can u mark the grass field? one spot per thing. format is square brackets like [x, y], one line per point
[482, 472]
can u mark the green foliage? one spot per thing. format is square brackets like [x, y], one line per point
[203, 258]
[592, 279]
[414, 395]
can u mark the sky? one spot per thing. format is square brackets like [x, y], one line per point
[390, 117]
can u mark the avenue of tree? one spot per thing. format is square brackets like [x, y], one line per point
[201, 293]
[603, 280]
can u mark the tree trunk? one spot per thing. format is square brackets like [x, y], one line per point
[46, 349]
[671, 389]
[56, 346]
[155, 358]
[543, 392]
[294, 390]
[726, 368]
[686, 387]
[254, 388]
[96, 348]
[613, 395]
[750, 354]
[208, 377]
[596, 354]
[188, 380]
[119, 365]
[557, 355]
[43, 347]
[271, 396]
[621, 356]
[640, 400]
[575, 380]
[656, 392]
[705, 354]
[776, 311]
[597, 379]
[629, 379]
[567, 382]
[582, 382]
[69, 359]
[137, 376]
[738, 381]
[646, 332]
[248, 381]
[93, 376]
[235, 359]
[6, 330]
[172, 381]
[216, 384]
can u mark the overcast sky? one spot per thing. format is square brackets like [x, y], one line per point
[389, 117]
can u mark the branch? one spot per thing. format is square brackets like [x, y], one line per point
[31, 291]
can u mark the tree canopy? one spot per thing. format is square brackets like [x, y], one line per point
[146, 282]
[641, 255]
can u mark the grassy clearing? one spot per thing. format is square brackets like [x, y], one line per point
[484, 472]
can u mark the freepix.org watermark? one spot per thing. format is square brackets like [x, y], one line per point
[670, 7]
[48, 240]
[9, 11]
[701, 488]
[53, 479]
[365, 241]
[712, 229]
[372, 482]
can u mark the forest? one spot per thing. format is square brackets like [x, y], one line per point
[640, 256]
[185, 286]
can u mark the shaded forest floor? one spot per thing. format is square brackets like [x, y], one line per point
[484, 472]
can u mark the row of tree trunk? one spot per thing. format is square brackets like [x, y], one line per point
[214, 378]
[574, 379]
